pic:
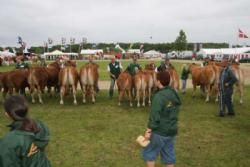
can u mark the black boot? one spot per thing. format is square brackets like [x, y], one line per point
[222, 114]
[111, 94]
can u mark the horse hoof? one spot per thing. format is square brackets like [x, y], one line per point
[138, 105]
[61, 102]
[131, 105]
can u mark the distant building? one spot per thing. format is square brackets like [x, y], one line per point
[233, 53]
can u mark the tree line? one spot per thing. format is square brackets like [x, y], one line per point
[179, 44]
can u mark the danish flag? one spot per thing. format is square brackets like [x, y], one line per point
[242, 34]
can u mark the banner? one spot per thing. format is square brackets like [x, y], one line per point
[50, 41]
[72, 41]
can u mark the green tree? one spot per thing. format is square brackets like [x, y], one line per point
[181, 41]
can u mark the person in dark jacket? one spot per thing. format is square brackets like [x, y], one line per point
[162, 124]
[165, 65]
[226, 83]
[24, 145]
[184, 77]
[114, 68]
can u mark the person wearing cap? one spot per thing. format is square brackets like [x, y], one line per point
[114, 69]
[25, 144]
[162, 124]
[164, 65]
[133, 67]
[226, 82]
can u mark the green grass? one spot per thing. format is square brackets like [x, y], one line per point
[104, 134]
[103, 66]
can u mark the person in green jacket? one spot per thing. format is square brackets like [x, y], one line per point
[162, 124]
[133, 67]
[24, 145]
[21, 64]
[114, 69]
[184, 77]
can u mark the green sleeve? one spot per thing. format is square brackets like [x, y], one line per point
[10, 157]
[154, 118]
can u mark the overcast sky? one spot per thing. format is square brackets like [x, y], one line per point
[122, 20]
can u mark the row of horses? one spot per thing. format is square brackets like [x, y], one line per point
[62, 76]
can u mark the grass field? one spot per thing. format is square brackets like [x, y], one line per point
[104, 134]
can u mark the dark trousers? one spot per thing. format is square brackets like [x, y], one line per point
[111, 88]
[226, 101]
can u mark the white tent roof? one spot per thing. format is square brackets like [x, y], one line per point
[133, 51]
[152, 52]
[6, 53]
[90, 51]
[59, 53]
[225, 51]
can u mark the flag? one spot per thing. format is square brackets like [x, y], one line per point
[141, 49]
[242, 34]
[45, 44]
[72, 41]
[20, 41]
[63, 41]
[50, 41]
[84, 40]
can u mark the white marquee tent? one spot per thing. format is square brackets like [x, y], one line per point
[53, 55]
[6, 53]
[232, 52]
[153, 54]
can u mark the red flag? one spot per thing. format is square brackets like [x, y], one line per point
[242, 34]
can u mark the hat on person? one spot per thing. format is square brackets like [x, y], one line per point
[16, 107]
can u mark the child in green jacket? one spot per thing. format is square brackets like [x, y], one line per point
[24, 145]
[162, 124]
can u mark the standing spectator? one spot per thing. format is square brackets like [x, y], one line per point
[133, 67]
[227, 80]
[184, 77]
[25, 144]
[164, 65]
[114, 68]
[21, 64]
[162, 124]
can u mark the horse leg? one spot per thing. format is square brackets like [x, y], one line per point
[62, 92]
[92, 93]
[143, 97]
[138, 97]
[208, 93]
[39, 89]
[74, 93]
